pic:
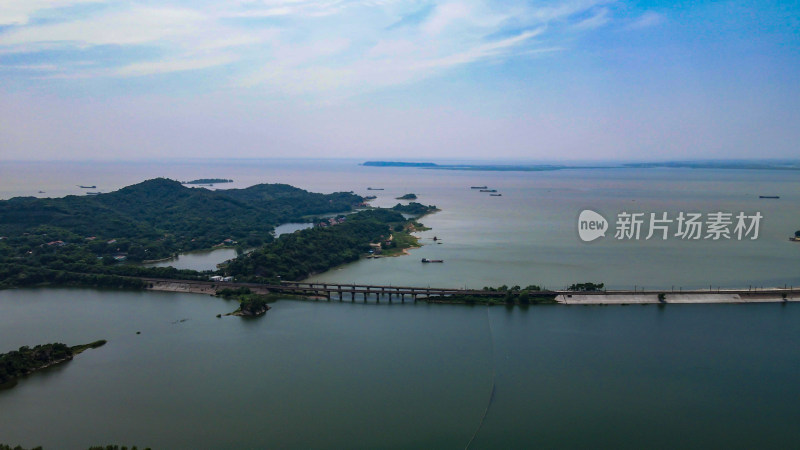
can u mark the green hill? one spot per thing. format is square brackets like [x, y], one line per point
[56, 238]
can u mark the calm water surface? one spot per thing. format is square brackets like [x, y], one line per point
[208, 259]
[527, 236]
[354, 375]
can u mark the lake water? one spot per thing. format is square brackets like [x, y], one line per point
[527, 236]
[354, 375]
[208, 259]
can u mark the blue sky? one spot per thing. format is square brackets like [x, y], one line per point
[522, 80]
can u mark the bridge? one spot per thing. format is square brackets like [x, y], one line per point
[341, 292]
[333, 291]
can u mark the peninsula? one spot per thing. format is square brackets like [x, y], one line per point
[26, 360]
[100, 240]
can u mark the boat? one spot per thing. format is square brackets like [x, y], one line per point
[87, 187]
[477, 187]
[488, 190]
[42, 192]
[426, 260]
[374, 189]
[495, 195]
[768, 196]
[93, 193]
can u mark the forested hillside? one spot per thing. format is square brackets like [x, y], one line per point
[295, 256]
[156, 218]
[82, 240]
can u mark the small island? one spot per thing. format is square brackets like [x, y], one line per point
[208, 181]
[250, 304]
[407, 197]
[399, 164]
[414, 208]
[26, 360]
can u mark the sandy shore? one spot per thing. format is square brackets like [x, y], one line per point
[177, 286]
[195, 287]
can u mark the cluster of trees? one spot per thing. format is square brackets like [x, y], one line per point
[414, 208]
[514, 295]
[52, 240]
[17, 275]
[504, 288]
[522, 296]
[298, 255]
[250, 304]
[21, 362]
[408, 197]
[229, 293]
[115, 447]
[208, 181]
[586, 287]
[95, 447]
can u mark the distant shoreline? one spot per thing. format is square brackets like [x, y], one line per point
[743, 165]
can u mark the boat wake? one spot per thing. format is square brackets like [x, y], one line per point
[491, 392]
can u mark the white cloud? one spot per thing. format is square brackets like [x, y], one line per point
[483, 51]
[314, 46]
[444, 15]
[179, 65]
[32, 67]
[19, 12]
[647, 20]
[138, 25]
[597, 20]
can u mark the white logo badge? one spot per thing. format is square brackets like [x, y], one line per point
[591, 225]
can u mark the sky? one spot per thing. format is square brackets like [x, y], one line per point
[563, 80]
